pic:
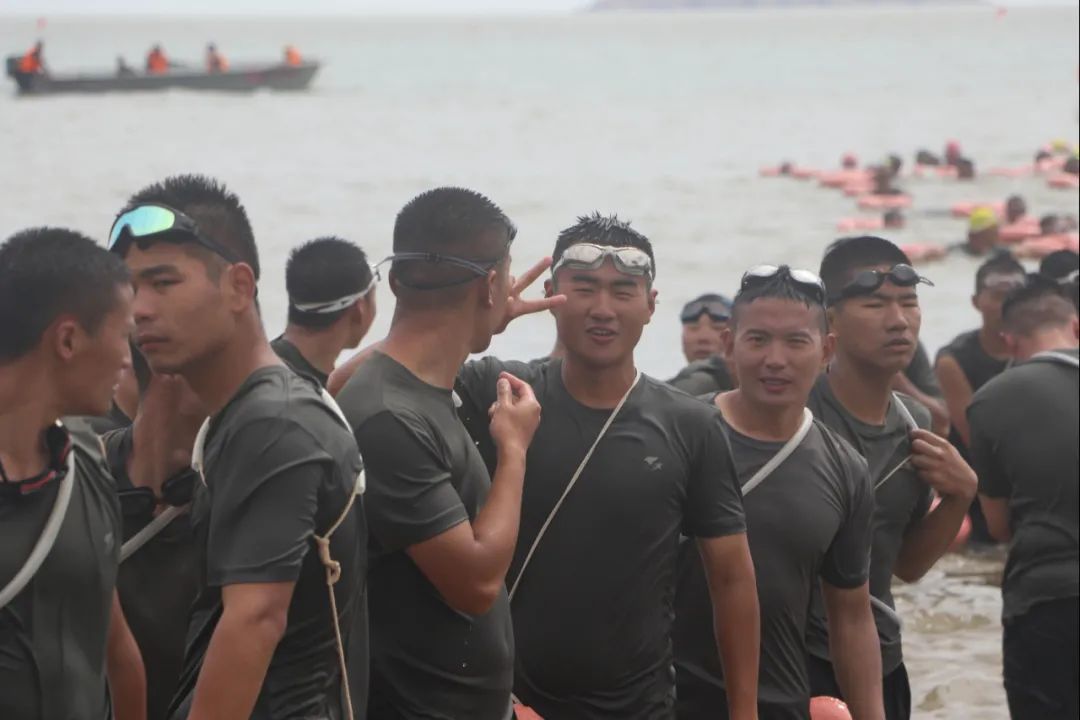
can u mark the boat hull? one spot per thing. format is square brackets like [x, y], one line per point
[239, 79]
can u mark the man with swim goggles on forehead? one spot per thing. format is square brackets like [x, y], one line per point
[874, 314]
[620, 466]
[331, 305]
[808, 504]
[974, 357]
[278, 526]
[703, 321]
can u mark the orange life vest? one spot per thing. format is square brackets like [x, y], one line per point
[292, 56]
[30, 63]
[156, 62]
[216, 62]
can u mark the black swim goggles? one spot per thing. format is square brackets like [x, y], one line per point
[717, 309]
[140, 502]
[589, 256]
[808, 282]
[152, 222]
[477, 268]
[868, 281]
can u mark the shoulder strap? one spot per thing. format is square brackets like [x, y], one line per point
[904, 412]
[1059, 357]
[570, 485]
[47, 539]
[782, 454]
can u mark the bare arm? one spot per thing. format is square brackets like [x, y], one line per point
[736, 619]
[957, 391]
[941, 467]
[996, 512]
[347, 369]
[938, 412]
[124, 667]
[240, 650]
[854, 649]
[468, 562]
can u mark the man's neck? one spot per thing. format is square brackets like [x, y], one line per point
[433, 346]
[761, 422]
[216, 378]
[863, 391]
[992, 343]
[319, 347]
[26, 413]
[1045, 341]
[597, 387]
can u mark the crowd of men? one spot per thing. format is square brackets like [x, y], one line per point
[201, 522]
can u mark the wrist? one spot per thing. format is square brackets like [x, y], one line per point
[511, 452]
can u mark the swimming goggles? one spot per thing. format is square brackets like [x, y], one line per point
[325, 307]
[150, 223]
[478, 268]
[867, 281]
[589, 256]
[807, 281]
[716, 308]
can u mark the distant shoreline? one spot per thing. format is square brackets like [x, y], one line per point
[709, 5]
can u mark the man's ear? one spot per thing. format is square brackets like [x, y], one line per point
[727, 340]
[828, 348]
[68, 337]
[241, 285]
[1012, 343]
[652, 296]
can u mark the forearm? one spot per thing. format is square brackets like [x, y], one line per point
[856, 656]
[931, 538]
[496, 525]
[235, 666]
[124, 667]
[736, 621]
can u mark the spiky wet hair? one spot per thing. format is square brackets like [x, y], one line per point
[602, 230]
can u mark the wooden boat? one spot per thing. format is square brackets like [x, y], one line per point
[238, 78]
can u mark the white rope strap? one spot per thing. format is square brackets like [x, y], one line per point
[151, 530]
[782, 454]
[570, 485]
[47, 539]
[909, 420]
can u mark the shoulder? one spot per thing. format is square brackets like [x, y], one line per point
[840, 452]
[671, 405]
[957, 344]
[89, 455]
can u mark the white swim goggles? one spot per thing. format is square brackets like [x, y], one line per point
[325, 307]
[589, 256]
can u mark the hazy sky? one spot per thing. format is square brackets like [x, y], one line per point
[306, 7]
[315, 7]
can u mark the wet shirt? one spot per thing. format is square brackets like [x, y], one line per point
[704, 376]
[296, 360]
[899, 503]
[593, 612]
[424, 477]
[279, 467]
[157, 586]
[809, 518]
[978, 367]
[1024, 431]
[53, 633]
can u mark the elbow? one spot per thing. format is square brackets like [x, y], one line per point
[476, 600]
[908, 571]
[267, 623]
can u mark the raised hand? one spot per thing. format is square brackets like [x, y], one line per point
[515, 415]
[941, 467]
[516, 307]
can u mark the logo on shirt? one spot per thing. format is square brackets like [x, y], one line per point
[654, 463]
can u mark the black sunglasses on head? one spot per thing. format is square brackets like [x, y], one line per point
[868, 281]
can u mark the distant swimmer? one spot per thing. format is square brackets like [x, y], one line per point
[965, 169]
[33, 62]
[953, 153]
[215, 61]
[927, 159]
[1015, 209]
[122, 68]
[292, 56]
[983, 231]
[849, 162]
[156, 62]
[1072, 165]
[883, 181]
[893, 220]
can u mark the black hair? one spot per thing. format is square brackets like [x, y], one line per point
[1059, 264]
[322, 270]
[452, 222]
[895, 163]
[892, 215]
[47, 272]
[780, 286]
[925, 157]
[215, 209]
[965, 169]
[1000, 263]
[1042, 155]
[1072, 165]
[603, 230]
[1038, 303]
[847, 256]
[1048, 225]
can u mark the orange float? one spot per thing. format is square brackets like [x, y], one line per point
[1020, 230]
[924, 252]
[804, 173]
[1064, 181]
[884, 202]
[843, 178]
[1039, 247]
[860, 223]
[823, 707]
[1011, 172]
